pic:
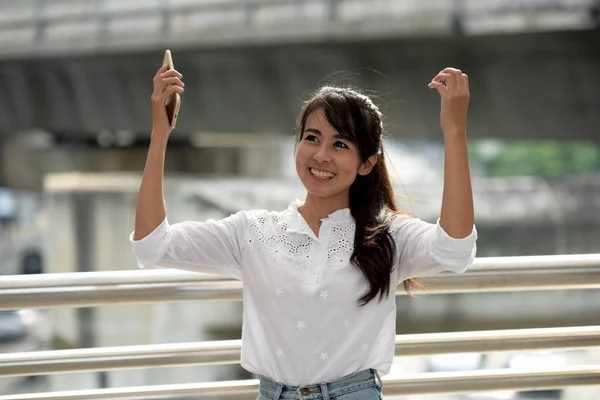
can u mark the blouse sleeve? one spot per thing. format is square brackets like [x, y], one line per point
[425, 249]
[210, 247]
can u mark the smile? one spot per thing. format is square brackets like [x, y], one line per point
[321, 174]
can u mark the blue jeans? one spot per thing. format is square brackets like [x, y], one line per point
[363, 385]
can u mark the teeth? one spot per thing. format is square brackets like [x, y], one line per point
[321, 174]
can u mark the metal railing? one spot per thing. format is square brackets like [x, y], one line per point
[92, 289]
[228, 351]
[432, 383]
[487, 274]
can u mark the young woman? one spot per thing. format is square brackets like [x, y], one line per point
[320, 277]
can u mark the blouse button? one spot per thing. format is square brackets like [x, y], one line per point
[305, 392]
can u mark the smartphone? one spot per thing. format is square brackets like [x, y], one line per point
[174, 101]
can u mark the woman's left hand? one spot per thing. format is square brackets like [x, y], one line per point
[453, 87]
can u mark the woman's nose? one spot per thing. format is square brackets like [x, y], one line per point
[322, 155]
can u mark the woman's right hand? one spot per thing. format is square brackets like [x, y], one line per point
[166, 83]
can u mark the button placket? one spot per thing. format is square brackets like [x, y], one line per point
[320, 260]
[314, 257]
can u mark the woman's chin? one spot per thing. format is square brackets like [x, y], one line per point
[322, 189]
[316, 191]
[322, 192]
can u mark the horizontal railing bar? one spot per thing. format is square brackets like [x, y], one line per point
[122, 13]
[483, 380]
[428, 383]
[95, 296]
[498, 265]
[476, 281]
[227, 6]
[543, 261]
[104, 278]
[514, 281]
[139, 12]
[228, 351]
[498, 340]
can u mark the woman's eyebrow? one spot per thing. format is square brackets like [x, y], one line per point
[312, 130]
[336, 136]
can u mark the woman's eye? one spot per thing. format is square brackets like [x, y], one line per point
[311, 138]
[341, 144]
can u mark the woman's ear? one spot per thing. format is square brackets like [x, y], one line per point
[368, 165]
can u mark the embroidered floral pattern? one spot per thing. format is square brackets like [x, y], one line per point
[278, 246]
[341, 245]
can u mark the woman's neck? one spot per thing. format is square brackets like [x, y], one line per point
[315, 208]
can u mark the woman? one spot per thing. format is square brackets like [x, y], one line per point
[319, 277]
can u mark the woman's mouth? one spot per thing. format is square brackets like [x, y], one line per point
[322, 175]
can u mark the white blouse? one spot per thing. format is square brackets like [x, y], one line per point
[301, 322]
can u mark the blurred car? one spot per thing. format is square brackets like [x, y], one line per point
[22, 331]
[18, 258]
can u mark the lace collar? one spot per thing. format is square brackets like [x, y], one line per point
[296, 222]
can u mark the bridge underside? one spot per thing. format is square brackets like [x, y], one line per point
[534, 86]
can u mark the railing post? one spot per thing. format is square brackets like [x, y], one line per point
[457, 16]
[39, 23]
[83, 209]
[248, 11]
[333, 10]
[102, 19]
[165, 16]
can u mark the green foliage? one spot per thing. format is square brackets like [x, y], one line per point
[547, 159]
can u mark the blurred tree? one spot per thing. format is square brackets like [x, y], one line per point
[547, 159]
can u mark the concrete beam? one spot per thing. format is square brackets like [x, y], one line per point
[536, 86]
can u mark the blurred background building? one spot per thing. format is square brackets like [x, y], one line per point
[75, 117]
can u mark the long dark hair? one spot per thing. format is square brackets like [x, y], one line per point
[372, 201]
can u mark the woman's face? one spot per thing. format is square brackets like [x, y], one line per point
[326, 162]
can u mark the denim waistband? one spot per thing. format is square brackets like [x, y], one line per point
[350, 383]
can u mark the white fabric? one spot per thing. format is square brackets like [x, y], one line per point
[302, 324]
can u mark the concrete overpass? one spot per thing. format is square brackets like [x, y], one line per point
[524, 85]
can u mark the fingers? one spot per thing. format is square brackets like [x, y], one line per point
[167, 82]
[465, 81]
[169, 73]
[160, 71]
[438, 86]
[445, 78]
[161, 98]
[164, 72]
[450, 81]
[174, 89]
[161, 77]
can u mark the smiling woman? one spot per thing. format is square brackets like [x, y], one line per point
[324, 154]
[340, 161]
[319, 277]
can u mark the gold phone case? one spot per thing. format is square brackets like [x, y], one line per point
[174, 101]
